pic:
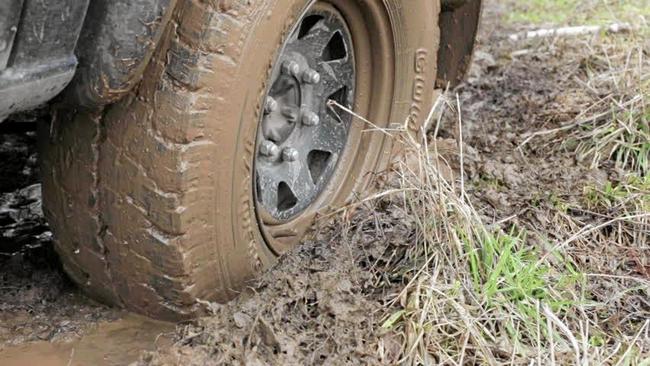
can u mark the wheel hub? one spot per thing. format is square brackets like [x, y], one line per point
[301, 138]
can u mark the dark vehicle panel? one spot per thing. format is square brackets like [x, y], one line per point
[39, 39]
[115, 46]
[40, 55]
[459, 22]
[9, 18]
[48, 31]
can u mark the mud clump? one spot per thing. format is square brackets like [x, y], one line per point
[308, 310]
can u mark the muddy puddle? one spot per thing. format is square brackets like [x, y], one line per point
[118, 342]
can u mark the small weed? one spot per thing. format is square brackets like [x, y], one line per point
[489, 182]
[559, 203]
[633, 193]
[624, 138]
[506, 271]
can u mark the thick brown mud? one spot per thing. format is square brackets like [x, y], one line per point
[110, 343]
[325, 302]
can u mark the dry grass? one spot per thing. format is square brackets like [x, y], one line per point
[485, 292]
[476, 293]
[617, 126]
[611, 114]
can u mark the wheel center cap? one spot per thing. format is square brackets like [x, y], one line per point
[291, 98]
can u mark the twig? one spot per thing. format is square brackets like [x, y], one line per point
[619, 277]
[572, 31]
[460, 149]
[564, 329]
[577, 123]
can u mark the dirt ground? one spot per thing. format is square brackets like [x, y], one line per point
[325, 303]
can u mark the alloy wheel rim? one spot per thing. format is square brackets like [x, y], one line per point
[301, 137]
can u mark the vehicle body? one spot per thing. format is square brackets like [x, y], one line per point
[99, 49]
[91, 60]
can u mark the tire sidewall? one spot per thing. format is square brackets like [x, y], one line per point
[415, 37]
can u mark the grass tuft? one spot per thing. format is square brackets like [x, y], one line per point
[485, 294]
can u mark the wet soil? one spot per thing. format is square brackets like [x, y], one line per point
[111, 342]
[324, 303]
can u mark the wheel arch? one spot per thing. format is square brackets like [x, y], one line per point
[116, 43]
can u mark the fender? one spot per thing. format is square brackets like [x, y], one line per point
[37, 43]
[116, 43]
[459, 23]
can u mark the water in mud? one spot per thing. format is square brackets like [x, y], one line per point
[111, 343]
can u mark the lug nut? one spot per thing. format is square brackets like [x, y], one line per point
[291, 68]
[310, 119]
[311, 76]
[270, 105]
[289, 154]
[268, 148]
[290, 114]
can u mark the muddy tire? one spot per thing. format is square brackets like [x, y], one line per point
[152, 201]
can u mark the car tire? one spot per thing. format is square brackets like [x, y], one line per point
[152, 200]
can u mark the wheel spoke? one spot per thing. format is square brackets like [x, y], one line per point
[313, 43]
[267, 188]
[330, 136]
[335, 75]
[302, 185]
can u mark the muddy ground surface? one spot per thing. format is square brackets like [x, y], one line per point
[44, 319]
[324, 303]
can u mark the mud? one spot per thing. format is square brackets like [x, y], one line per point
[325, 302]
[118, 342]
